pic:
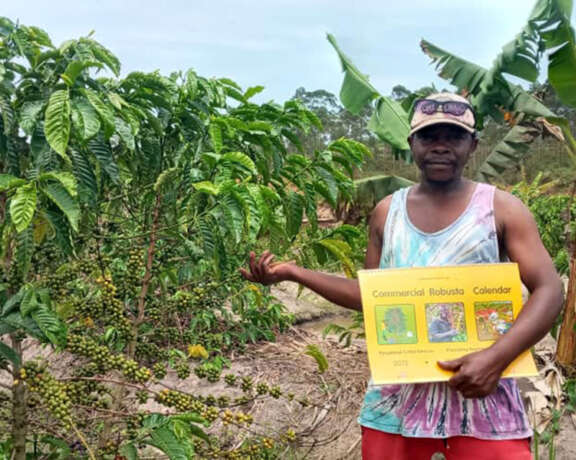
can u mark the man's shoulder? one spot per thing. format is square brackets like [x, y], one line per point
[505, 201]
[384, 204]
[380, 211]
[509, 210]
[379, 215]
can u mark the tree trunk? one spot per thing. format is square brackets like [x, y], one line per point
[566, 349]
[19, 425]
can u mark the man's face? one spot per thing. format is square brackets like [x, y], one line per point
[441, 151]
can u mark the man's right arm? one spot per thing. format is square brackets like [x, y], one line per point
[336, 289]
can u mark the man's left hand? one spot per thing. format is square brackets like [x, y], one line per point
[475, 375]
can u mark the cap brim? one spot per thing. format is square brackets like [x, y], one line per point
[443, 121]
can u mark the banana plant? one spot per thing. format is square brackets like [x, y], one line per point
[389, 122]
[548, 28]
[389, 118]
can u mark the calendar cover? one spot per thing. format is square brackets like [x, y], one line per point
[415, 317]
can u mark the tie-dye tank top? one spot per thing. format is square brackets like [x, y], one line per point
[434, 410]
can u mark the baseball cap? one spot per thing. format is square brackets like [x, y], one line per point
[442, 114]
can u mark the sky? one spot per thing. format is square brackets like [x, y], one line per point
[281, 44]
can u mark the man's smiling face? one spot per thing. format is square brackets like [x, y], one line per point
[441, 151]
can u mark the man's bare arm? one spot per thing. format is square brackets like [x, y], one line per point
[339, 290]
[524, 246]
[477, 374]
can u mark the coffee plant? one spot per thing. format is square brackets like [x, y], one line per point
[127, 206]
[554, 215]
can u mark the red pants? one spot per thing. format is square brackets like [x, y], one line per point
[378, 445]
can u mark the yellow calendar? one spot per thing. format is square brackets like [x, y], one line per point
[415, 317]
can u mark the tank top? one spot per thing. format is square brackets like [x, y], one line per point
[435, 410]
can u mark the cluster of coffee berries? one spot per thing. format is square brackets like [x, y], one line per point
[112, 309]
[142, 396]
[134, 423]
[262, 388]
[180, 401]
[181, 301]
[132, 371]
[105, 360]
[52, 392]
[167, 334]
[12, 277]
[267, 443]
[83, 391]
[45, 257]
[213, 373]
[206, 295]
[247, 384]
[275, 392]
[86, 266]
[241, 400]
[149, 351]
[223, 401]
[165, 252]
[153, 313]
[159, 370]
[238, 418]
[210, 414]
[87, 308]
[182, 370]
[208, 371]
[129, 279]
[289, 436]
[256, 449]
[57, 282]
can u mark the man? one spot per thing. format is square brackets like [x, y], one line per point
[446, 220]
[440, 329]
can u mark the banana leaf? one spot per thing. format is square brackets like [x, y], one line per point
[562, 61]
[508, 152]
[370, 190]
[389, 120]
[356, 91]
[473, 79]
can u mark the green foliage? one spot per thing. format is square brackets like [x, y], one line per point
[389, 120]
[57, 121]
[23, 206]
[551, 212]
[562, 61]
[370, 190]
[9, 354]
[355, 330]
[508, 152]
[315, 352]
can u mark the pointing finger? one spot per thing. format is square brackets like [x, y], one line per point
[251, 261]
[266, 262]
[247, 275]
